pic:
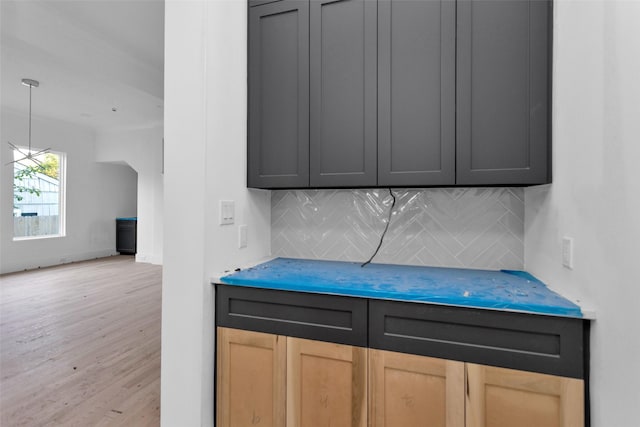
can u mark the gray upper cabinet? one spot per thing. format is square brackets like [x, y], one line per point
[343, 93]
[278, 148]
[503, 92]
[416, 92]
[399, 93]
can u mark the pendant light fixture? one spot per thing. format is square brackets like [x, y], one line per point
[29, 155]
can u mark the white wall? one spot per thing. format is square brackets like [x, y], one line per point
[95, 195]
[595, 195]
[205, 141]
[142, 150]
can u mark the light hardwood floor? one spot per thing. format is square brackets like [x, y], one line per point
[80, 345]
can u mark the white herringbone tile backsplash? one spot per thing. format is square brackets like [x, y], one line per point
[450, 227]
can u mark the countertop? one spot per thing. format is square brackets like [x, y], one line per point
[505, 290]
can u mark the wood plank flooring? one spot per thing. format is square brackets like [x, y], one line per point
[80, 345]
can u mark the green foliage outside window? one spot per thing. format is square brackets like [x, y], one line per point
[19, 178]
[49, 166]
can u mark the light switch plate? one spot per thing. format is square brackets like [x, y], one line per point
[227, 212]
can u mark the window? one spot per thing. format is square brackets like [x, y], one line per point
[38, 195]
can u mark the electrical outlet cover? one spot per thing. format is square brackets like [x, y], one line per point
[567, 252]
[242, 236]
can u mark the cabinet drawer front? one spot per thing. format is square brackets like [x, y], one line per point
[543, 344]
[329, 318]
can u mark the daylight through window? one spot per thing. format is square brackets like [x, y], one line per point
[38, 195]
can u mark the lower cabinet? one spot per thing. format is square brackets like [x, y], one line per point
[251, 372]
[410, 390]
[326, 384]
[499, 397]
[126, 235]
[274, 380]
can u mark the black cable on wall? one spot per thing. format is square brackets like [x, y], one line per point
[393, 203]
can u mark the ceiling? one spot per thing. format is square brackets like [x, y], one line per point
[90, 57]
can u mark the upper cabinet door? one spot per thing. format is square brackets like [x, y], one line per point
[278, 149]
[503, 92]
[343, 93]
[416, 92]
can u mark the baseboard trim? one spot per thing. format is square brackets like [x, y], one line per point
[59, 259]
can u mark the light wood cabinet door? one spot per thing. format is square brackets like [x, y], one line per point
[326, 384]
[250, 379]
[498, 397]
[410, 390]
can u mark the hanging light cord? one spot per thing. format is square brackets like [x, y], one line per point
[30, 87]
[386, 227]
[29, 155]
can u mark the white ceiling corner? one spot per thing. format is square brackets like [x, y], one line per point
[89, 55]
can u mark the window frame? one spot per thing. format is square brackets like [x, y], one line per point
[62, 199]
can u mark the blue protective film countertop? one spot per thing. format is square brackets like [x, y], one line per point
[498, 290]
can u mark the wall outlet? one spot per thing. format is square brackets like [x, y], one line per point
[227, 212]
[567, 252]
[242, 236]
